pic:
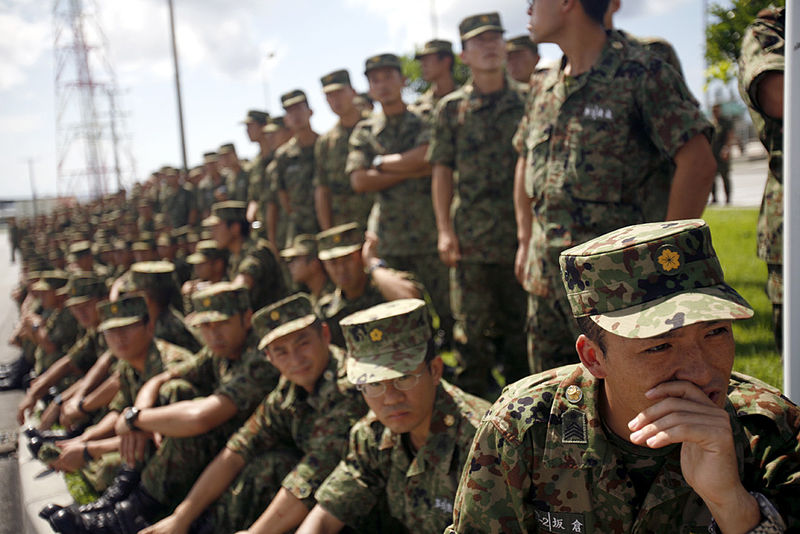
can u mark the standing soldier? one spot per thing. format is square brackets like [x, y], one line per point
[207, 186]
[277, 134]
[721, 148]
[13, 237]
[437, 63]
[334, 199]
[472, 131]
[761, 65]
[523, 55]
[255, 122]
[237, 180]
[291, 173]
[611, 137]
[177, 203]
[387, 156]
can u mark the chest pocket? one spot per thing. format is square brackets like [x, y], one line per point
[595, 170]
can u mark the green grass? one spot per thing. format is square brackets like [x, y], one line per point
[79, 488]
[733, 232]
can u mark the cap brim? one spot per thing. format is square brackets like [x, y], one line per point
[196, 259]
[482, 29]
[292, 101]
[337, 252]
[286, 328]
[41, 286]
[659, 316]
[372, 368]
[211, 220]
[211, 316]
[74, 301]
[334, 87]
[117, 322]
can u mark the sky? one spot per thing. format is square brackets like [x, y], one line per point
[234, 56]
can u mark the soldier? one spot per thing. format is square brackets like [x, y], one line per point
[627, 145]
[13, 238]
[291, 442]
[335, 201]
[652, 433]
[472, 131]
[720, 147]
[292, 171]
[277, 134]
[362, 280]
[212, 180]
[236, 179]
[761, 65]
[522, 57]
[210, 263]
[437, 62]
[387, 156]
[255, 122]
[306, 269]
[409, 450]
[56, 329]
[178, 202]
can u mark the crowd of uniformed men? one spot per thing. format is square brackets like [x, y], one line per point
[257, 345]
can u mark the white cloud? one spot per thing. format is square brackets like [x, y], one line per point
[21, 44]
[643, 8]
[23, 123]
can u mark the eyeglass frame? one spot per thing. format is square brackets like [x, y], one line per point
[382, 384]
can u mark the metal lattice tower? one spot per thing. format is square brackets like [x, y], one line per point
[91, 140]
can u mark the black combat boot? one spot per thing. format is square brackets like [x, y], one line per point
[128, 516]
[125, 481]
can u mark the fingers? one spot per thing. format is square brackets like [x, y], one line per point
[685, 427]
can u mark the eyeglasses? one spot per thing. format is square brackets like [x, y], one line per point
[402, 383]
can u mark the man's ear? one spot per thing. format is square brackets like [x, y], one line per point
[591, 356]
[437, 368]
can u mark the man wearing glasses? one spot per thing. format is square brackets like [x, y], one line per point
[408, 451]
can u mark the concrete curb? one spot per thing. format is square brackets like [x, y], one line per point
[38, 486]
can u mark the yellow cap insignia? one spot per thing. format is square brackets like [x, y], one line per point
[275, 315]
[337, 238]
[206, 302]
[574, 394]
[484, 19]
[449, 420]
[669, 259]
[375, 58]
[114, 309]
[376, 335]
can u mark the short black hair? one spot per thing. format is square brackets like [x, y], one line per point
[443, 55]
[595, 9]
[593, 331]
[244, 227]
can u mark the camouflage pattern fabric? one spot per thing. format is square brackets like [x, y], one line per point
[84, 353]
[315, 426]
[170, 327]
[336, 307]
[655, 46]
[425, 105]
[722, 129]
[330, 161]
[406, 223]
[763, 48]
[237, 184]
[261, 262]
[292, 171]
[62, 330]
[419, 488]
[580, 129]
[218, 302]
[543, 463]
[178, 203]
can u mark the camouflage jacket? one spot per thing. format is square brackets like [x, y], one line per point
[722, 129]
[170, 327]
[472, 135]
[330, 161]
[654, 45]
[262, 264]
[425, 105]
[237, 184]
[259, 190]
[162, 355]
[543, 463]
[315, 424]
[405, 224]
[292, 171]
[177, 204]
[599, 151]
[335, 307]
[420, 488]
[245, 381]
[84, 353]
[763, 51]
[62, 330]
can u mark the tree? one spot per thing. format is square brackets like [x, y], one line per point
[413, 73]
[726, 27]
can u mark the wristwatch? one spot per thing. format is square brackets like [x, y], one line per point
[82, 409]
[378, 264]
[58, 400]
[771, 520]
[131, 415]
[377, 161]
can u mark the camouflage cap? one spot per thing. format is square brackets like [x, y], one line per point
[382, 60]
[80, 248]
[207, 250]
[386, 341]
[144, 243]
[226, 148]
[166, 239]
[293, 97]
[339, 241]
[218, 302]
[523, 42]
[302, 245]
[123, 312]
[437, 46]
[275, 124]
[337, 79]
[84, 286]
[645, 280]
[152, 275]
[210, 157]
[282, 318]
[260, 117]
[229, 210]
[51, 280]
[478, 24]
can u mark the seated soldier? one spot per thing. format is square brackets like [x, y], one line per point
[210, 263]
[231, 376]
[651, 432]
[361, 279]
[306, 269]
[291, 442]
[410, 448]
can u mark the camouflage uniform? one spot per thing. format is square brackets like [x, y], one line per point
[62, 331]
[292, 171]
[177, 205]
[722, 129]
[335, 307]
[405, 223]
[763, 51]
[655, 46]
[309, 429]
[84, 353]
[262, 264]
[237, 184]
[425, 105]
[472, 136]
[624, 119]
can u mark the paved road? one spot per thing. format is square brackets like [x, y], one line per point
[747, 181]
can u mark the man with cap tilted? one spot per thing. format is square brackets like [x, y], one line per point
[409, 450]
[651, 432]
[291, 173]
[291, 442]
[306, 268]
[387, 157]
[471, 139]
[522, 55]
[362, 280]
[334, 199]
[437, 61]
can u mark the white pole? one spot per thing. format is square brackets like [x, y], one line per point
[791, 217]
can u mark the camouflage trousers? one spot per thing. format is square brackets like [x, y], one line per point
[489, 309]
[775, 293]
[552, 332]
[433, 274]
[99, 473]
[253, 489]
